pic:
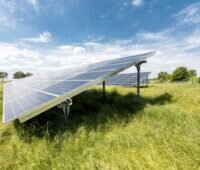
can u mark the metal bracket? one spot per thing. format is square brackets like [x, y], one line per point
[66, 108]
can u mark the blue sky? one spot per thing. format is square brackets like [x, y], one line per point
[41, 34]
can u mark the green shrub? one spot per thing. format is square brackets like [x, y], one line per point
[163, 76]
[192, 73]
[180, 74]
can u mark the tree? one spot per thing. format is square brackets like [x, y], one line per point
[192, 73]
[3, 75]
[18, 75]
[163, 76]
[180, 74]
[28, 74]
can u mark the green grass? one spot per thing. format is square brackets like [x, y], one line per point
[160, 131]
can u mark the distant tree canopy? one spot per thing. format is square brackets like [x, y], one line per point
[20, 74]
[3, 74]
[28, 74]
[192, 73]
[163, 76]
[180, 74]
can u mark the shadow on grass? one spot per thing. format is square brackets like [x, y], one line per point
[143, 86]
[90, 111]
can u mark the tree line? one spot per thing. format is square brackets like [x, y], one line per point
[16, 75]
[180, 74]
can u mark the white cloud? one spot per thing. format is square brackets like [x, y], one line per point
[13, 57]
[137, 2]
[172, 51]
[65, 47]
[152, 36]
[6, 22]
[78, 50]
[190, 14]
[193, 39]
[42, 38]
[71, 49]
[8, 4]
[33, 2]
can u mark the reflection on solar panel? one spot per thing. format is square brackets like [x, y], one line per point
[128, 79]
[26, 98]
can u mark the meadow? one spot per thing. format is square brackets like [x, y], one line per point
[159, 130]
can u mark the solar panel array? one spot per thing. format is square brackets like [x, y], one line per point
[26, 98]
[128, 79]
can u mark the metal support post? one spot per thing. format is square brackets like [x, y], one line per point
[138, 76]
[66, 109]
[104, 90]
[138, 79]
[147, 81]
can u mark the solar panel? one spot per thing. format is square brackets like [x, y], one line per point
[128, 79]
[26, 98]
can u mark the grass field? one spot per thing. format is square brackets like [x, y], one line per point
[160, 131]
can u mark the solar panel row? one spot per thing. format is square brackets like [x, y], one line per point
[128, 79]
[25, 98]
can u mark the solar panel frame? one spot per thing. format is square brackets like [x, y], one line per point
[69, 94]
